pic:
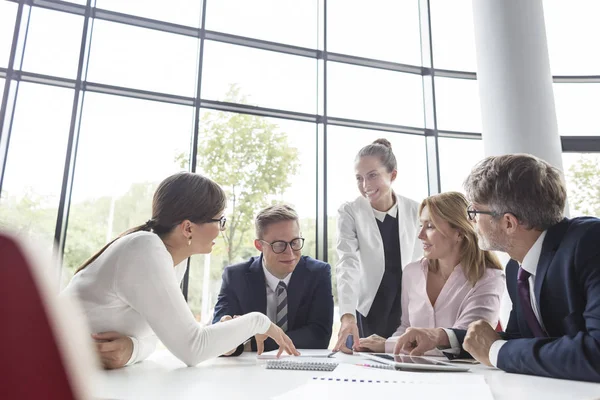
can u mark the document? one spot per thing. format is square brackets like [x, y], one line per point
[307, 353]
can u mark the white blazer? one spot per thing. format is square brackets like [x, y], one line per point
[360, 250]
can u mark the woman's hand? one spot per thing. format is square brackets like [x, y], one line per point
[277, 334]
[113, 348]
[373, 343]
[349, 327]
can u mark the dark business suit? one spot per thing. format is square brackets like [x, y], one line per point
[309, 300]
[567, 291]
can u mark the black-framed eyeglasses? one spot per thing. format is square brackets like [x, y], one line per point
[279, 246]
[472, 213]
[222, 221]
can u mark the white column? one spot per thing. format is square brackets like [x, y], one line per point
[515, 84]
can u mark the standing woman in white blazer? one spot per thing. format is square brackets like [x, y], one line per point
[376, 237]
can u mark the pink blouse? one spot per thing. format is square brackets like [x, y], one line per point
[457, 305]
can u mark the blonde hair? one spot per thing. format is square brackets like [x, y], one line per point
[273, 214]
[452, 208]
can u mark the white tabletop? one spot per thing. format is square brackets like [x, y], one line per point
[162, 376]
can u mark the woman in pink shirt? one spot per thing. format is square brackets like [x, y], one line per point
[456, 283]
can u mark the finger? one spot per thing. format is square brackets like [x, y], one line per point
[107, 347]
[281, 348]
[225, 318]
[419, 350]
[236, 316]
[292, 347]
[106, 335]
[341, 341]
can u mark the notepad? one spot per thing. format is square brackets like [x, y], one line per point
[304, 353]
[301, 365]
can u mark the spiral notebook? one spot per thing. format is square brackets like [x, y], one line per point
[301, 365]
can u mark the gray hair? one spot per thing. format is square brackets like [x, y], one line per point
[273, 214]
[382, 149]
[521, 184]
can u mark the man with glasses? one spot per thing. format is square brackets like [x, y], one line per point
[294, 291]
[553, 277]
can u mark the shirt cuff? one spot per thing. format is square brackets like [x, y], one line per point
[391, 343]
[134, 353]
[454, 343]
[494, 351]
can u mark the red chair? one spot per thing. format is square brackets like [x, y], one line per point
[34, 341]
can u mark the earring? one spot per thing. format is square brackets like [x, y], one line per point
[190, 241]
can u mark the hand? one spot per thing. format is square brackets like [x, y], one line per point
[374, 343]
[113, 348]
[349, 327]
[277, 334]
[416, 341]
[478, 340]
[228, 318]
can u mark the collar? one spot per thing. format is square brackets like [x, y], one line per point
[271, 280]
[531, 259]
[392, 212]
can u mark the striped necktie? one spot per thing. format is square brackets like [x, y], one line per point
[281, 316]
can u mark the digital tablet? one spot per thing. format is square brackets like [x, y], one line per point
[406, 362]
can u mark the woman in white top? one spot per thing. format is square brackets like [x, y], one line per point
[377, 235]
[456, 283]
[130, 290]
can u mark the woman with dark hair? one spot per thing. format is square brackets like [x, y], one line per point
[377, 236]
[130, 289]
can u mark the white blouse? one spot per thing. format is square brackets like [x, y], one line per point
[132, 288]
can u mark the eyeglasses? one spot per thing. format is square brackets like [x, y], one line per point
[472, 213]
[279, 246]
[222, 221]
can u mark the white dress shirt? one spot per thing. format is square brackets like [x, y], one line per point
[530, 264]
[271, 283]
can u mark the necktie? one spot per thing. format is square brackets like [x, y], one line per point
[525, 297]
[281, 316]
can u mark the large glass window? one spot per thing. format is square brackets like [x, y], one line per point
[572, 30]
[8, 13]
[380, 29]
[577, 108]
[262, 78]
[51, 50]
[453, 35]
[142, 58]
[284, 21]
[582, 175]
[457, 158]
[35, 162]
[182, 12]
[126, 147]
[457, 104]
[258, 161]
[374, 95]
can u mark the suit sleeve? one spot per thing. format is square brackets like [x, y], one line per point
[568, 357]
[348, 266]
[316, 334]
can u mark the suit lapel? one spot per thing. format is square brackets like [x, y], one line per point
[296, 288]
[255, 279]
[552, 240]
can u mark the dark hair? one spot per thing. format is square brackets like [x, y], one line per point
[382, 149]
[520, 184]
[180, 197]
[273, 214]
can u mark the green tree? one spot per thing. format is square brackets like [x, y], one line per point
[584, 182]
[252, 160]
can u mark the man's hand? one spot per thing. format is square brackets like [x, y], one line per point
[113, 348]
[478, 340]
[349, 327]
[417, 341]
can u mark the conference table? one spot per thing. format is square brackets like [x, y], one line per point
[162, 376]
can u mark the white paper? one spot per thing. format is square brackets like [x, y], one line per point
[304, 353]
